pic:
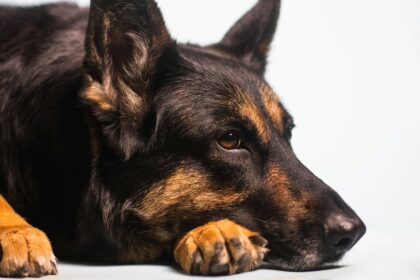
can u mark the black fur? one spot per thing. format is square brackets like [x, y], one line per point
[78, 165]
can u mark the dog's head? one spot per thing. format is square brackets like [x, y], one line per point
[188, 134]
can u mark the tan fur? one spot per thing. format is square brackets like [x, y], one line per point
[272, 106]
[105, 97]
[8, 217]
[94, 92]
[248, 110]
[188, 186]
[251, 112]
[224, 241]
[26, 251]
[279, 184]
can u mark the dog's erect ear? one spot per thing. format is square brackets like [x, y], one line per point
[127, 46]
[249, 39]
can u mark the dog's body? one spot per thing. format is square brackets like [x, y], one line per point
[42, 72]
[122, 145]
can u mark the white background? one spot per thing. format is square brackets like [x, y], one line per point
[349, 72]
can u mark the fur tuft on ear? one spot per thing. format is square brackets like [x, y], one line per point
[249, 39]
[125, 41]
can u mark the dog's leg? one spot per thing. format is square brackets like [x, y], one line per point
[24, 250]
[221, 247]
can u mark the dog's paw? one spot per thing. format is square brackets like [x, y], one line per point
[25, 252]
[219, 248]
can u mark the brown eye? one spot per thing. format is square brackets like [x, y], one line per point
[230, 141]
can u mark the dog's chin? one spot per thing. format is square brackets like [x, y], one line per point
[307, 262]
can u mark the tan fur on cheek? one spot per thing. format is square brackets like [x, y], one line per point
[279, 183]
[186, 189]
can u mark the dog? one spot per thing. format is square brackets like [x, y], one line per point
[123, 146]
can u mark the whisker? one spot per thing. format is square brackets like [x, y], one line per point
[263, 221]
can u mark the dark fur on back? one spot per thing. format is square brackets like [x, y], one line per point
[44, 139]
[109, 129]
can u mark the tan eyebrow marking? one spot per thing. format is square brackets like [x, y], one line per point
[249, 110]
[272, 106]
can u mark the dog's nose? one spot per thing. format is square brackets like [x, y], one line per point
[341, 232]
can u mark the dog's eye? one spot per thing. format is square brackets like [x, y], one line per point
[230, 141]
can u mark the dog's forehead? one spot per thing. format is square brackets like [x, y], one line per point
[220, 77]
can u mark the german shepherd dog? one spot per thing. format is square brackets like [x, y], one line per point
[122, 145]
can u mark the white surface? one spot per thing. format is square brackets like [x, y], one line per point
[380, 255]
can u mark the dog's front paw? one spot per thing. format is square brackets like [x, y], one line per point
[25, 252]
[218, 248]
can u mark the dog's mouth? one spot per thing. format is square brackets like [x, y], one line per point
[304, 261]
[278, 264]
[308, 263]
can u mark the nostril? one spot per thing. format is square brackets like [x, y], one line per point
[340, 241]
[341, 232]
[343, 243]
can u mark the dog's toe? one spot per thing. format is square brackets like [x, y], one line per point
[25, 251]
[220, 248]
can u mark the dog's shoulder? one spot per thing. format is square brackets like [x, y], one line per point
[38, 24]
[40, 43]
[41, 56]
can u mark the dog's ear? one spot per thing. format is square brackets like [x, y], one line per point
[249, 39]
[127, 47]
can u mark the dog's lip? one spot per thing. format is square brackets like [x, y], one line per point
[276, 266]
[320, 263]
[300, 268]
